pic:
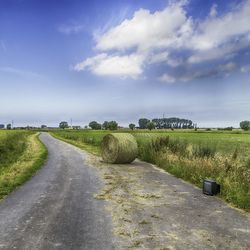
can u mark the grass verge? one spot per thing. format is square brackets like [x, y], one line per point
[24, 167]
[93, 149]
[194, 163]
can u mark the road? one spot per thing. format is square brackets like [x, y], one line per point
[56, 209]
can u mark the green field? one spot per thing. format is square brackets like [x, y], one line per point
[225, 142]
[21, 154]
[188, 154]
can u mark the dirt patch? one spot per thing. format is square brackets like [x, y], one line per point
[154, 210]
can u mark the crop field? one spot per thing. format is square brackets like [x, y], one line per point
[188, 154]
[21, 154]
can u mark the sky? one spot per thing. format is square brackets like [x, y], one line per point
[123, 60]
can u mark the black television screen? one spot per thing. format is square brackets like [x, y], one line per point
[208, 187]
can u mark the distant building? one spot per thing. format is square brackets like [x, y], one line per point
[2, 126]
[76, 127]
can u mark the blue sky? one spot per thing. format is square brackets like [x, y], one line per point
[122, 60]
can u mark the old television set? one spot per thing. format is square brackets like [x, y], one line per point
[210, 187]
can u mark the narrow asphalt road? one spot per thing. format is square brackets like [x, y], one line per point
[56, 208]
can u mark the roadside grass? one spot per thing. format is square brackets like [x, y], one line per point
[80, 142]
[12, 145]
[192, 156]
[22, 159]
[195, 163]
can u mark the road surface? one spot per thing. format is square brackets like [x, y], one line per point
[56, 209]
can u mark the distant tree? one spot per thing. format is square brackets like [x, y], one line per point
[105, 125]
[112, 125]
[226, 128]
[95, 125]
[8, 126]
[131, 126]
[63, 125]
[245, 125]
[86, 127]
[143, 123]
[43, 126]
[172, 122]
[150, 126]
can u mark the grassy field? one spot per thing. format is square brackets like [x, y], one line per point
[190, 155]
[21, 154]
[224, 142]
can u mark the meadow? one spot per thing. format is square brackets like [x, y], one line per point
[21, 154]
[191, 155]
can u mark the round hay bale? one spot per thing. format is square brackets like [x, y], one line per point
[119, 148]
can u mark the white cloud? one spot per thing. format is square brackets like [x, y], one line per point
[68, 29]
[215, 31]
[149, 38]
[146, 30]
[213, 11]
[90, 62]
[228, 67]
[159, 57]
[163, 57]
[172, 28]
[245, 68]
[114, 65]
[167, 78]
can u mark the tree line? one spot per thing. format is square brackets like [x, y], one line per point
[107, 125]
[166, 123]
[144, 123]
[111, 125]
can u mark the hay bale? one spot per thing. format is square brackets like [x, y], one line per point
[119, 148]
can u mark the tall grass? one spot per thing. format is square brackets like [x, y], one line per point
[12, 145]
[194, 163]
[204, 150]
[21, 155]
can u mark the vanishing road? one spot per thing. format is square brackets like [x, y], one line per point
[77, 202]
[56, 208]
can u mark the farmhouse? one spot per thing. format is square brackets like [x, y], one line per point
[76, 127]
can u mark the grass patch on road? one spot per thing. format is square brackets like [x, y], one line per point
[24, 156]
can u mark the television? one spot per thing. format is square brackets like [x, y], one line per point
[210, 187]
